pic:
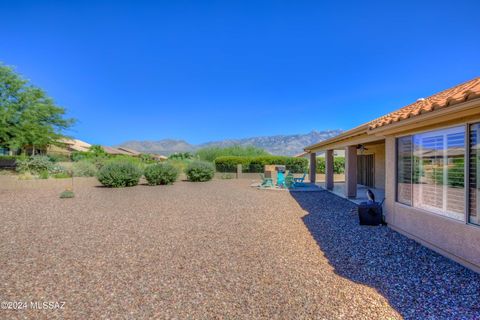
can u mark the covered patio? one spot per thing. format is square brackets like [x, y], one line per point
[339, 190]
[364, 166]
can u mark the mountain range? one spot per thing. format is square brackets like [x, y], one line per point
[287, 145]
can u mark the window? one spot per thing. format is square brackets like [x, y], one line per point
[431, 171]
[404, 170]
[474, 174]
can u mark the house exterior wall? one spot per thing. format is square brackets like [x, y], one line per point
[455, 239]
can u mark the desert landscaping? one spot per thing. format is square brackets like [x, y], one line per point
[218, 249]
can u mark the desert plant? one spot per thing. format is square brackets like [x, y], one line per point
[181, 156]
[61, 175]
[67, 194]
[43, 174]
[84, 168]
[56, 157]
[199, 171]
[161, 173]
[34, 164]
[119, 173]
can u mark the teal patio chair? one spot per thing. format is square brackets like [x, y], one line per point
[266, 182]
[298, 182]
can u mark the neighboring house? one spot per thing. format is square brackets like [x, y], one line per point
[68, 146]
[132, 152]
[117, 151]
[425, 157]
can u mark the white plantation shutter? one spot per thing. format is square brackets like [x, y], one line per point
[439, 172]
[404, 170]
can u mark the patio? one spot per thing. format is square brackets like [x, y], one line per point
[339, 190]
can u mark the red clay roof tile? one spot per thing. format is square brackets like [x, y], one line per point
[464, 92]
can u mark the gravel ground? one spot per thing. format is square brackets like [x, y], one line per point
[214, 250]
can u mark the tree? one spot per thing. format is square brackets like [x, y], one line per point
[28, 117]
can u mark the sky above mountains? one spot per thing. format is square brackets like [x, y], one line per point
[212, 70]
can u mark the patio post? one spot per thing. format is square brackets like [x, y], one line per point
[351, 171]
[329, 169]
[313, 167]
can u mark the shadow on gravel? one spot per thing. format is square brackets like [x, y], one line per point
[418, 283]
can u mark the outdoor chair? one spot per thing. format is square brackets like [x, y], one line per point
[290, 181]
[266, 182]
[298, 182]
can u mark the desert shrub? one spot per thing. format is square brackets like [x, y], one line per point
[54, 157]
[181, 156]
[161, 173]
[147, 158]
[257, 164]
[181, 165]
[62, 175]
[80, 155]
[211, 153]
[84, 168]
[57, 169]
[67, 194]
[199, 171]
[119, 173]
[34, 164]
[43, 174]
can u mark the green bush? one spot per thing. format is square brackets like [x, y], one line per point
[43, 174]
[34, 164]
[199, 171]
[84, 168]
[67, 194]
[62, 175]
[161, 173]
[338, 165]
[8, 157]
[55, 157]
[181, 165]
[147, 158]
[229, 163]
[119, 173]
[181, 156]
[211, 153]
[257, 164]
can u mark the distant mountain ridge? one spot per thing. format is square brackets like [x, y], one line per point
[287, 145]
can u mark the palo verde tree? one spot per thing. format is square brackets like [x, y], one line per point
[28, 117]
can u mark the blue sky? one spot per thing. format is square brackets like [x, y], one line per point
[209, 70]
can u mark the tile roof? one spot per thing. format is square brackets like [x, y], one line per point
[464, 92]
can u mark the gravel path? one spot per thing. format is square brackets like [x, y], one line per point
[213, 250]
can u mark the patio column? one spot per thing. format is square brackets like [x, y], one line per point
[351, 171]
[313, 167]
[329, 169]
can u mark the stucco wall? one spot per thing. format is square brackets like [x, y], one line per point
[455, 239]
